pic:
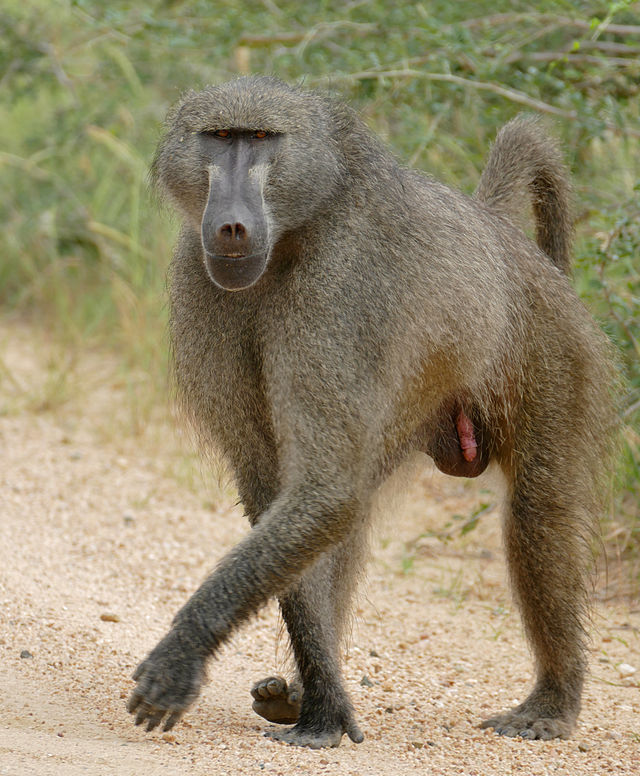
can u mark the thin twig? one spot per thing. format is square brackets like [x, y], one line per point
[570, 56]
[24, 164]
[271, 6]
[56, 65]
[560, 21]
[631, 409]
[607, 45]
[266, 40]
[503, 91]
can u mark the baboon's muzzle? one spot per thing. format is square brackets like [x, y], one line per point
[234, 227]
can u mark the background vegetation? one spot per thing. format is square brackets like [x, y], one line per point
[84, 87]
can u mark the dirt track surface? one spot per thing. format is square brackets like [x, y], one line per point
[103, 536]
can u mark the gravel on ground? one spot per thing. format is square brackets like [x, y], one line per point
[107, 526]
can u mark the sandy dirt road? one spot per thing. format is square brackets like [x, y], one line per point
[104, 534]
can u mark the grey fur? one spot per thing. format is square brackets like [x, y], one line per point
[390, 304]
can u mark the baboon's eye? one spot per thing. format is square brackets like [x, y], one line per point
[222, 133]
[260, 134]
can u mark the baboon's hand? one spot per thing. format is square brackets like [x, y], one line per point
[169, 681]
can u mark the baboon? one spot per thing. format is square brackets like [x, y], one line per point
[333, 311]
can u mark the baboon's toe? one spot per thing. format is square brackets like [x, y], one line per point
[277, 701]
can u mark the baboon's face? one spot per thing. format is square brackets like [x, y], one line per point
[248, 163]
[236, 228]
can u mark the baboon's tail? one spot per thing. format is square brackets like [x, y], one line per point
[525, 160]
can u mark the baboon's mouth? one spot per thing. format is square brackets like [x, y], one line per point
[235, 271]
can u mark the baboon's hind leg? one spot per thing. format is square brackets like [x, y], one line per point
[547, 554]
[316, 612]
[274, 698]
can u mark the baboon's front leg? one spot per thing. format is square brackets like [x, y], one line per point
[294, 532]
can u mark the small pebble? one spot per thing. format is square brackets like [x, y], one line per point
[366, 682]
[110, 617]
[583, 747]
[373, 653]
[169, 737]
[624, 669]
[25, 654]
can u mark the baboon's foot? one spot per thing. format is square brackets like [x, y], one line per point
[169, 680]
[317, 728]
[527, 723]
[277, 701]
[550, 711]
[318, 737]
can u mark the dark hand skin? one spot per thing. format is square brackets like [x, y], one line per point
[166, 686]
[333, 312]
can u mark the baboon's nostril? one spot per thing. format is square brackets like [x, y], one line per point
[235, 231]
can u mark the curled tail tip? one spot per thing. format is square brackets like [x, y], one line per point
[525, 161]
